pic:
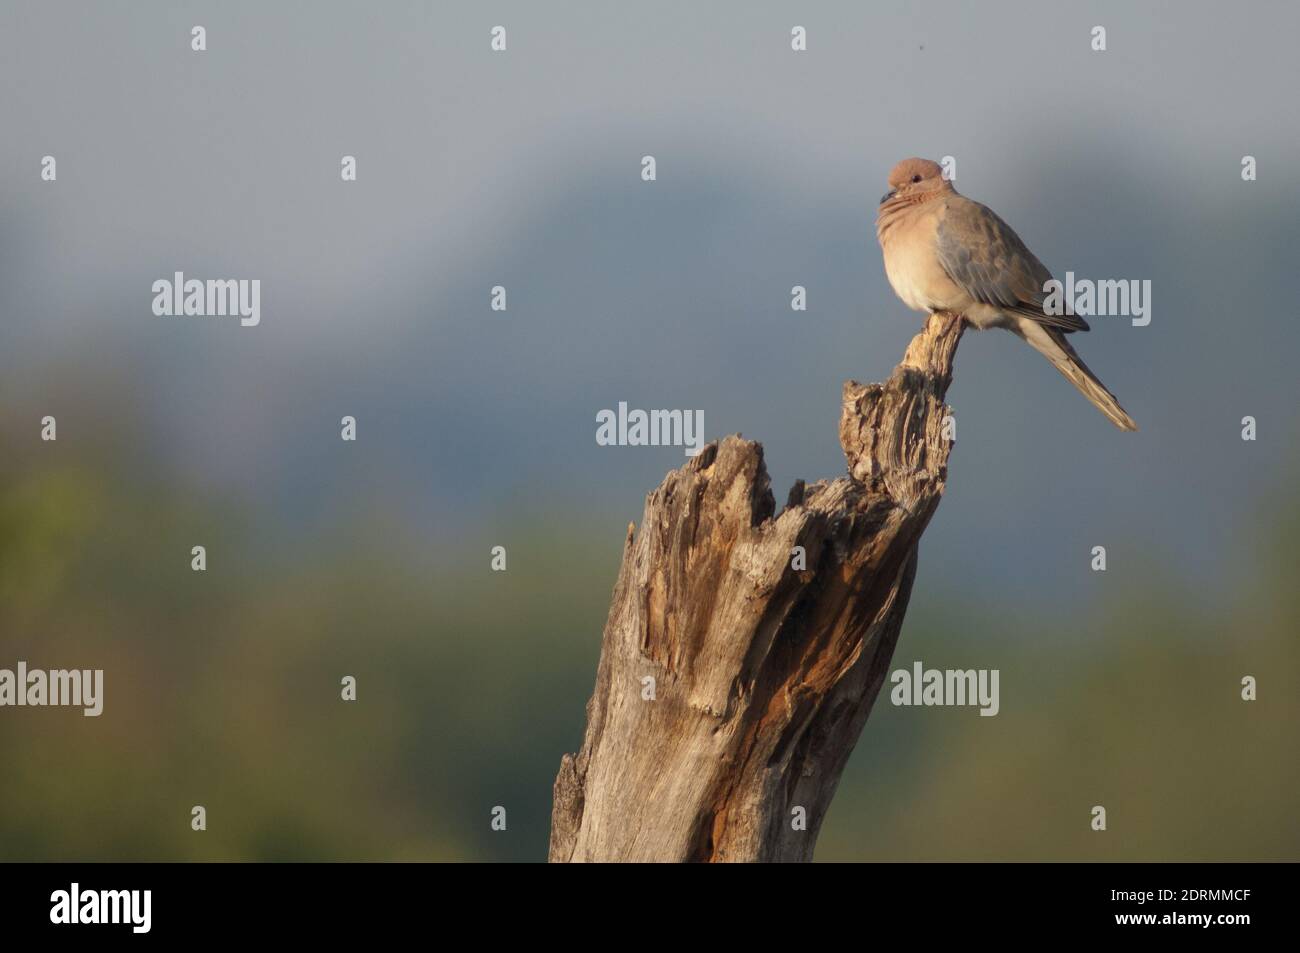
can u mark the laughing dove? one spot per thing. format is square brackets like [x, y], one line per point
[944, 252]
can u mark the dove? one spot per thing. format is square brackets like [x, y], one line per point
[944, 252]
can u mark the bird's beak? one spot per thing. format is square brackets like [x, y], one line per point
[887, 196]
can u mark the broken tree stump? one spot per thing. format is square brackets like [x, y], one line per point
[764, 665]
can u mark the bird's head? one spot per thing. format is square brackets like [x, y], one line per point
[916, 180]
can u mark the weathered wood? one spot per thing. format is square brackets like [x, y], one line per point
[764, 673]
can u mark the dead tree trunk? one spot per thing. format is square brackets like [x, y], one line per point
[764, 666]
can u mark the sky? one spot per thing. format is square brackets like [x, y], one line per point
[522, 169]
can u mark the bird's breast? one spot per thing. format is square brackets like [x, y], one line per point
[907, 242]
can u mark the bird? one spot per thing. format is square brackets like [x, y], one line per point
[944, 252]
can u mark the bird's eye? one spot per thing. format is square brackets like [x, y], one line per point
[916, 178]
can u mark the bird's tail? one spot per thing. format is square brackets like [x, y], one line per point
[1052, 345]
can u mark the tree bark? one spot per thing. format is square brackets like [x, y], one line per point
[764, 667]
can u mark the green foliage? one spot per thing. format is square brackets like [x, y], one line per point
[222, 689]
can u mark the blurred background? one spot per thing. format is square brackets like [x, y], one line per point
[476, 428]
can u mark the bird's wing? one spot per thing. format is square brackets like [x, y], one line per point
[985, 256]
